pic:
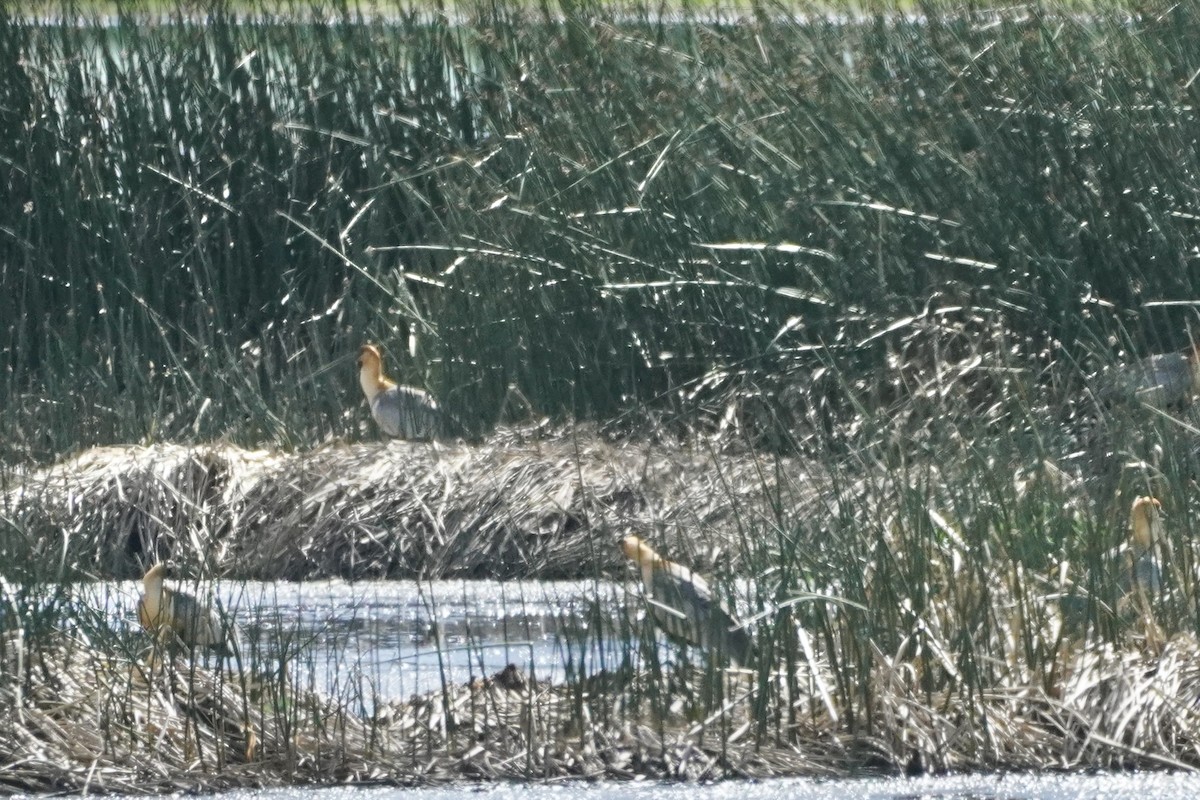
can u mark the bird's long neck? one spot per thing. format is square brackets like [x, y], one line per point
[1144, 523]
[153, 590]
[647, 561]
[371, 377]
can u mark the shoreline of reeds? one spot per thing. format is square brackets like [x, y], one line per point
[899, 629]
[83, 718]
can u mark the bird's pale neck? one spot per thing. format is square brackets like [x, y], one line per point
[643, 555]
[152, 584]
[370, 377]
[1146, 525]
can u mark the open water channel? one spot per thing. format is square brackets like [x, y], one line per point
[388, 640]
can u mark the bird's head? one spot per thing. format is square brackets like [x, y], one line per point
[370, 371]
[369, 356]
[157, 572]
[638, 551]
[1146, 520]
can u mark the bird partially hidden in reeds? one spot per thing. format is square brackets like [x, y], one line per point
[1140, 570]
[683, 606]
[1138, 573]
[1167, 381]
[171, 614]
[1140, 580]
[404, 412]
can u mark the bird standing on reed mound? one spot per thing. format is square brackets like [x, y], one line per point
[401, 411]
[162, 611]
[683, 606]
[1168, 381]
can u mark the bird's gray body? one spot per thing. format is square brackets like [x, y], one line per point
[406, 412]
[683, 606]
[1141, 572]
[162, 609]
[1165, 380]
[197, 624]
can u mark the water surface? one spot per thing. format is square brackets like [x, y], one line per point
[1125, 786]
[374, 641]
[385, 640]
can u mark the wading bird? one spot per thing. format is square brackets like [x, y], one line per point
[683, 606]
[1168, 381]
[162, 611]
[1140, 571]
[1141, 576]
[401, 411]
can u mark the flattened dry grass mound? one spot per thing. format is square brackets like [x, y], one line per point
[505, 508]
[1129, 709]
[111, 507]
[1124, 709]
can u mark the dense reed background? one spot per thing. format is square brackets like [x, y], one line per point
[600, 208]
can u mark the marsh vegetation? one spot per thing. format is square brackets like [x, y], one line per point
[810, 302]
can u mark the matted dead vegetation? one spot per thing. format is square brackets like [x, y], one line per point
[544, 506]
[934, 618]
[78, 716]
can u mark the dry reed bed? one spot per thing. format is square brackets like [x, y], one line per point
[509, 507]
[934, 640]
[78, 716]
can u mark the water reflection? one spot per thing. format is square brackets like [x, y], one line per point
[980, 787]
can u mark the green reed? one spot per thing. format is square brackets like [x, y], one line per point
[595, 208]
